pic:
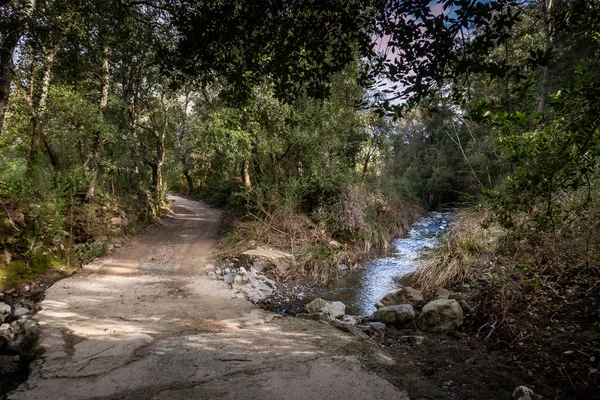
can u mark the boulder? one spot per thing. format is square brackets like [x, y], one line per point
[228, 278]
[406, 295]
[262, 255]
[441, 316]
[4, 311]
[332, 309]
[522, 393]
[394, 315]
[239, 280]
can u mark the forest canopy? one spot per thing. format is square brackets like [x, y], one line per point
[332, 108]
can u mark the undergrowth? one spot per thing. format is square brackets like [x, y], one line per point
[321, 237]
[517, 277]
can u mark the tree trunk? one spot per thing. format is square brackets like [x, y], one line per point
[39, 110]
[54, 160]
[97, 149]
[189, 180]
[366, 164]
[7, 50]
[245, 172]
[546, 7]
[276, 167]
[180, 138]
[6, 74]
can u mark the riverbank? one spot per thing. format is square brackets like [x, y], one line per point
[480, 359]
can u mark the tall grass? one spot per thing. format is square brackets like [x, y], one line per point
[459, 252]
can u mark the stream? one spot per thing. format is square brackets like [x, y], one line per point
[360, 290]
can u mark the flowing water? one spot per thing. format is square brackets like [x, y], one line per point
[362, 289]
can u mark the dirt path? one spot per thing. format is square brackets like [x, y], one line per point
[148, 323]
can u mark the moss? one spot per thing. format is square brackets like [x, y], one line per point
[17, 271]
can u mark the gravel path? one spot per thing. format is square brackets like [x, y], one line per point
[148, 323]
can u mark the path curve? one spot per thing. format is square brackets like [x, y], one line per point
[148, 323]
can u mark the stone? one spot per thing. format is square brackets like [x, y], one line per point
[4, 311]
[254, 295]
[263, 255]
[8, 365]
[441, 315]
[443, 294]
[378, 326]
[239, 280]
[351, 319]
[116, 221]
[312, 316]
[228, 278]
[332, 309]
[394, 315]
[242, 271]
[259, 285]
[522, 393]
[413, 340]
[26, 334]
[349, 329]
[335, 309]
[20, 311]
[406, 295]
[7, 333]
[464, 306]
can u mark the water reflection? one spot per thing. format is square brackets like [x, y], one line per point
[361, 290]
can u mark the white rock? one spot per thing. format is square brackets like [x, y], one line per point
[7, 332]
[239, 280]
[332, 309]
[522, 393]
[254, 295]
[4, 311]
[228, 278]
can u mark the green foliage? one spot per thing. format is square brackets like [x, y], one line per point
[554, 162]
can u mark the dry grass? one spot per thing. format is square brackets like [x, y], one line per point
[361, 221]
[456, 254]
[317, 254]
